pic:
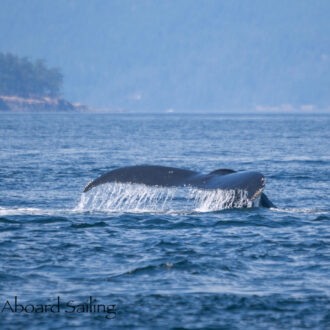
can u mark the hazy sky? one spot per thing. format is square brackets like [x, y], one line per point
[181, 55]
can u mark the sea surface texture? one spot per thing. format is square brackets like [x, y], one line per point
[166, 258]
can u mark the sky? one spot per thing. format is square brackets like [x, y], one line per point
[182, 56]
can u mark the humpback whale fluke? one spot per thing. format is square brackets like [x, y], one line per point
[225, 179]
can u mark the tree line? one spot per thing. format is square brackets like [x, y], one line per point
[20, 76]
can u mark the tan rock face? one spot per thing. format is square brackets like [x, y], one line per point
[42, 104]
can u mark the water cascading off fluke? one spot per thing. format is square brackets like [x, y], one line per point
[124, 197]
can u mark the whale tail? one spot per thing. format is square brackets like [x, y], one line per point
[222, 179]
[265, 202]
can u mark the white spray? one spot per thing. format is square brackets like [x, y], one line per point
[123, 197]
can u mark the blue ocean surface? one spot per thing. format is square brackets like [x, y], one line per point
[165, 257]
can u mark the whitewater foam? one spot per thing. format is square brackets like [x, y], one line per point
[24, 211]
[123, 197]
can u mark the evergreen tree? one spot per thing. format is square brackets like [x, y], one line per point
[25, 78]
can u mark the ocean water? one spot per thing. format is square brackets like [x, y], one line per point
[166, 258]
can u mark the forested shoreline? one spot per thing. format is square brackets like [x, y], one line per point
[23, 77]
[29, 85]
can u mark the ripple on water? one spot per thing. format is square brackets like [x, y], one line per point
[89, 225]
[168, 258]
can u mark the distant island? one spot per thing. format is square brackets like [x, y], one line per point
[27, 85]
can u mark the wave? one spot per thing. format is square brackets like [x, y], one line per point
[151, 269]
[6, 221]
[52, 213]
[135, 198]
[23, 211]
[305, 210]
[88, 225]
